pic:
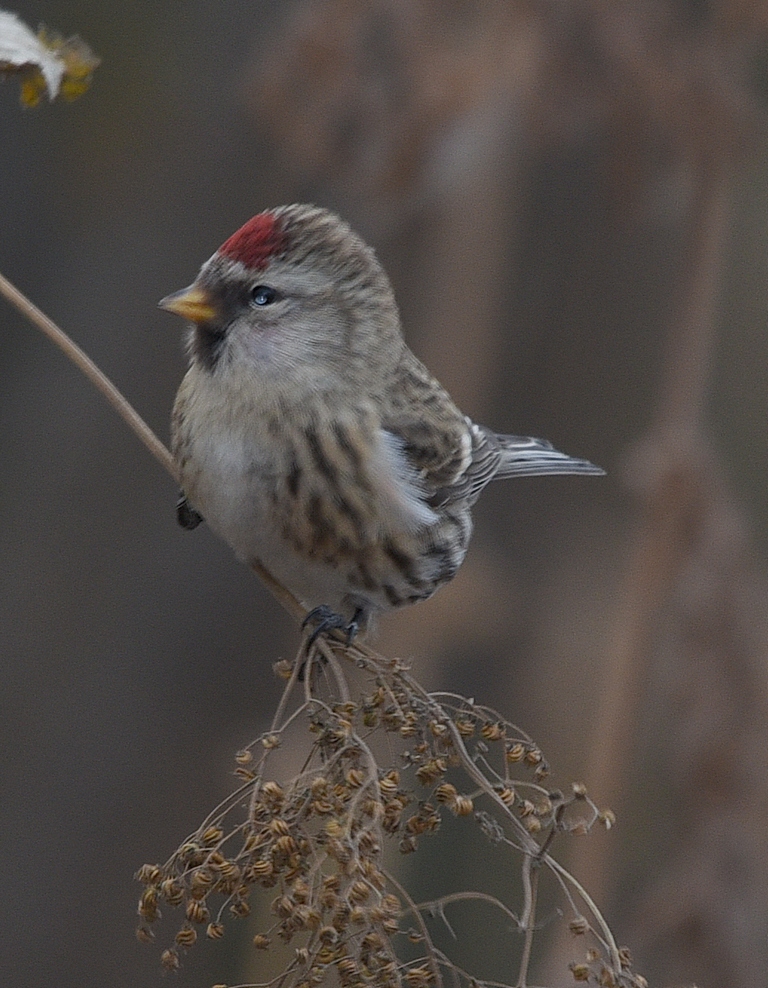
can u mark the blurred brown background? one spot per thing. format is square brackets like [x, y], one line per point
[572, 202]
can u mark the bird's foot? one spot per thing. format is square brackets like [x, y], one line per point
[186, 515]
[326, 619]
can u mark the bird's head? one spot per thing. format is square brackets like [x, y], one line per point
[292, 295]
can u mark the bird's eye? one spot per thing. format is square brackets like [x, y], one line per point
[263, 295]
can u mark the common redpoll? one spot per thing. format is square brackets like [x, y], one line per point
[308, 435]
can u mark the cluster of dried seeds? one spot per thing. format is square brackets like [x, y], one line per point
[384, 768]
[596, 970]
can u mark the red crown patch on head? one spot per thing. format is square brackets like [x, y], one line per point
[256, 242]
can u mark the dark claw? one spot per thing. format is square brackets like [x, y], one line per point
[329, 620]
[186, 515]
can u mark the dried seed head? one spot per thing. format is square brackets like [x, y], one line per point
[606, 978]
[285, 845]
[392, 904]
[215, 931]
[580, 972]
[492, 732]
[625, 957]
[544, 806]
[328, 935]
[149, 874]
[261, 941]
[419, 977]
[579, 790]
[355, 778]
[359, 916]
[273, 793]
[283, 669]
[607, 818]
[515, 752]
[170, 960]
[359, 892]
[579, 925]
[347, 968]
[446, 793]
[186, 936]
[172, 891]
[212, 836]
[197, 912]
[144, 934]
[368, 843]
[533, 756]
[465, 726]
[300, 890]
[328, 899]
[507, 795]
[319, 786]
[409, 726]
[431, 771]
[202, 878]
[462, 806]
[191, 854]
[148, 908]
[373, 808]
[389, 784]
[278, 827]
[339, 851]
[314, 918]
[270, 742]
[283, 906]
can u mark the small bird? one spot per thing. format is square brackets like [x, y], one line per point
[309, 436]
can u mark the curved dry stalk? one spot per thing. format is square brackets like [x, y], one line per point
[97, 377]
[451, 897]
[412, 908]
[608, 938]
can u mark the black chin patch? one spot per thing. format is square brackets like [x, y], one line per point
[208, 343]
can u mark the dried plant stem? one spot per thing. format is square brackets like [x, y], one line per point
[100, 381]
[530, 876]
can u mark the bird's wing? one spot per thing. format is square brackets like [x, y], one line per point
[451, 456]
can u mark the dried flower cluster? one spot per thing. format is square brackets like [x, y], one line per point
[385, 766]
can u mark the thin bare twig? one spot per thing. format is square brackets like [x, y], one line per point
[97, 377]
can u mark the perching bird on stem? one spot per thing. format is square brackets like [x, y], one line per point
[308, 435]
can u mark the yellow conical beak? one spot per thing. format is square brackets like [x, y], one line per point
[192, 303]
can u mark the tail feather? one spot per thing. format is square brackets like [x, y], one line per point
[525, 456]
